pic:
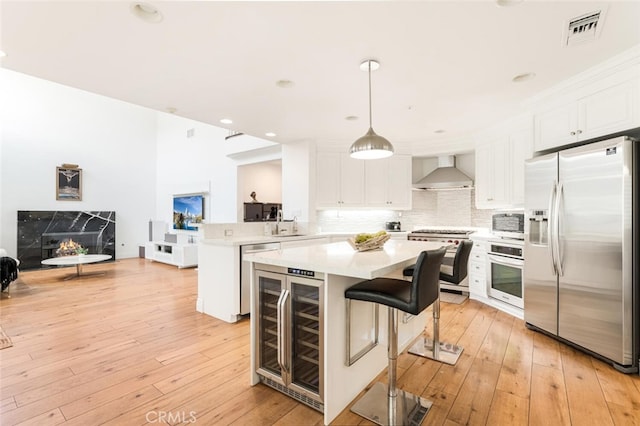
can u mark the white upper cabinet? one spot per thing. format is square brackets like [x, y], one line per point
[500, 166]
[351, 181]
[607, 106]
[346, 182]
[388, 182]
[492, 174]
[340, 180]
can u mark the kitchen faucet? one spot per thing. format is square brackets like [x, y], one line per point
[278, 220]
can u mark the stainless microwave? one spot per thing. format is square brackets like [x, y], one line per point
[508, 225]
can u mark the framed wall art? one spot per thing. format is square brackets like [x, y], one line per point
[69, 183]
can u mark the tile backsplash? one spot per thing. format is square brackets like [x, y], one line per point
[430, 208]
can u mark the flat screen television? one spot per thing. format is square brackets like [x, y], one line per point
[188, 210]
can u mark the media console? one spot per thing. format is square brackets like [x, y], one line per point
[180, 255]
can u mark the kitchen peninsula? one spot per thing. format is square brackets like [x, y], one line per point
[299, 338]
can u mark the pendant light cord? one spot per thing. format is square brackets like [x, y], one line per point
[370, 126]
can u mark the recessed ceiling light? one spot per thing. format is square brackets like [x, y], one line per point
[439, 131]
[226, 121]
[2, 54]
[285, 84]
[146, 12]
[270, 134]
[351, 117]
[505, 3]
[171, 110]
[523, 77]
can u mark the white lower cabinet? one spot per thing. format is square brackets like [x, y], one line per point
[477, 270]
[180, 255]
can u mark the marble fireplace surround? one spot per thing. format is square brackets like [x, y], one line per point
[41, 232]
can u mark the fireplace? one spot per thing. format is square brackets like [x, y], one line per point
[40, 234]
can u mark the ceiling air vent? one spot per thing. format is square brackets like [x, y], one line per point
[583, 28]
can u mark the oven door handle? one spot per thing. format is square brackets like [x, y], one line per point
[507, 261]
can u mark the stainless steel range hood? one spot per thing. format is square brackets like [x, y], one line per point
[446, 176]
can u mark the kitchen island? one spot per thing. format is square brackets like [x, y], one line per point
[299, 322]
[221, 285]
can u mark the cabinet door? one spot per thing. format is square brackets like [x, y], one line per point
[328, 179]
[351, 181]
[399, 182]
[607, 111]
[477, 279]
[501, 175]
[492, 174]
[376, 176]
[519, 148]
[484, 176]
[556, 127]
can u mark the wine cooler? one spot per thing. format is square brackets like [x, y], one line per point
[289, 334]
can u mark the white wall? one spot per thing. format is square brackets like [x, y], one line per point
[46, 124]
[187, 165]
[299, 181]
[263, 178]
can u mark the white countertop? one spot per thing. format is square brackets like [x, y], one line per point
[341, 259]
[257, 239]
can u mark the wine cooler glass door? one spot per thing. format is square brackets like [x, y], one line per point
[307, 334]
[269, 289]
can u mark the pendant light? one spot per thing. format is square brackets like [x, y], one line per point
[370, 146]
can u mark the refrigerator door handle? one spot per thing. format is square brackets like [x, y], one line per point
[552, 199]
[281, 310]
[556, 231]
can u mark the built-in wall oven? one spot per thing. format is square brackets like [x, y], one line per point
[504, 272]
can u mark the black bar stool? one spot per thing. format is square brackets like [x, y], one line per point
[434, 348]
[386, 405]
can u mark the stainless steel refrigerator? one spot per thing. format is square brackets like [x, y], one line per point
[580, 284]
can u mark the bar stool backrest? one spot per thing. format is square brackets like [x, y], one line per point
[425, 287]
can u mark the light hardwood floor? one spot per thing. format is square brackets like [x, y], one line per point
[128, 348]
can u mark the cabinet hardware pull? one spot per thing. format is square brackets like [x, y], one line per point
[281, 329]
[573, 133]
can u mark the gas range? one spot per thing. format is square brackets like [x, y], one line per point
[440, 235]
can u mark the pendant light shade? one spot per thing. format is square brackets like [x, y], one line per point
[371, 145]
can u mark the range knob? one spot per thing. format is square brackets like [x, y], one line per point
[456, 242]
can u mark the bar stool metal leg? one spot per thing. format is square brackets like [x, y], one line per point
[400, 407]
[435, 349]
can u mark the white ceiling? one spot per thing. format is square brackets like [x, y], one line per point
[444, 65]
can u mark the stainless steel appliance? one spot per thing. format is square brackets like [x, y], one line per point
[445, 235]
[259, 212]
[508, 225]
[392, 226]
[245, 272]
[580, 282]
[290, 334]
[453, 236]
[504, 274]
